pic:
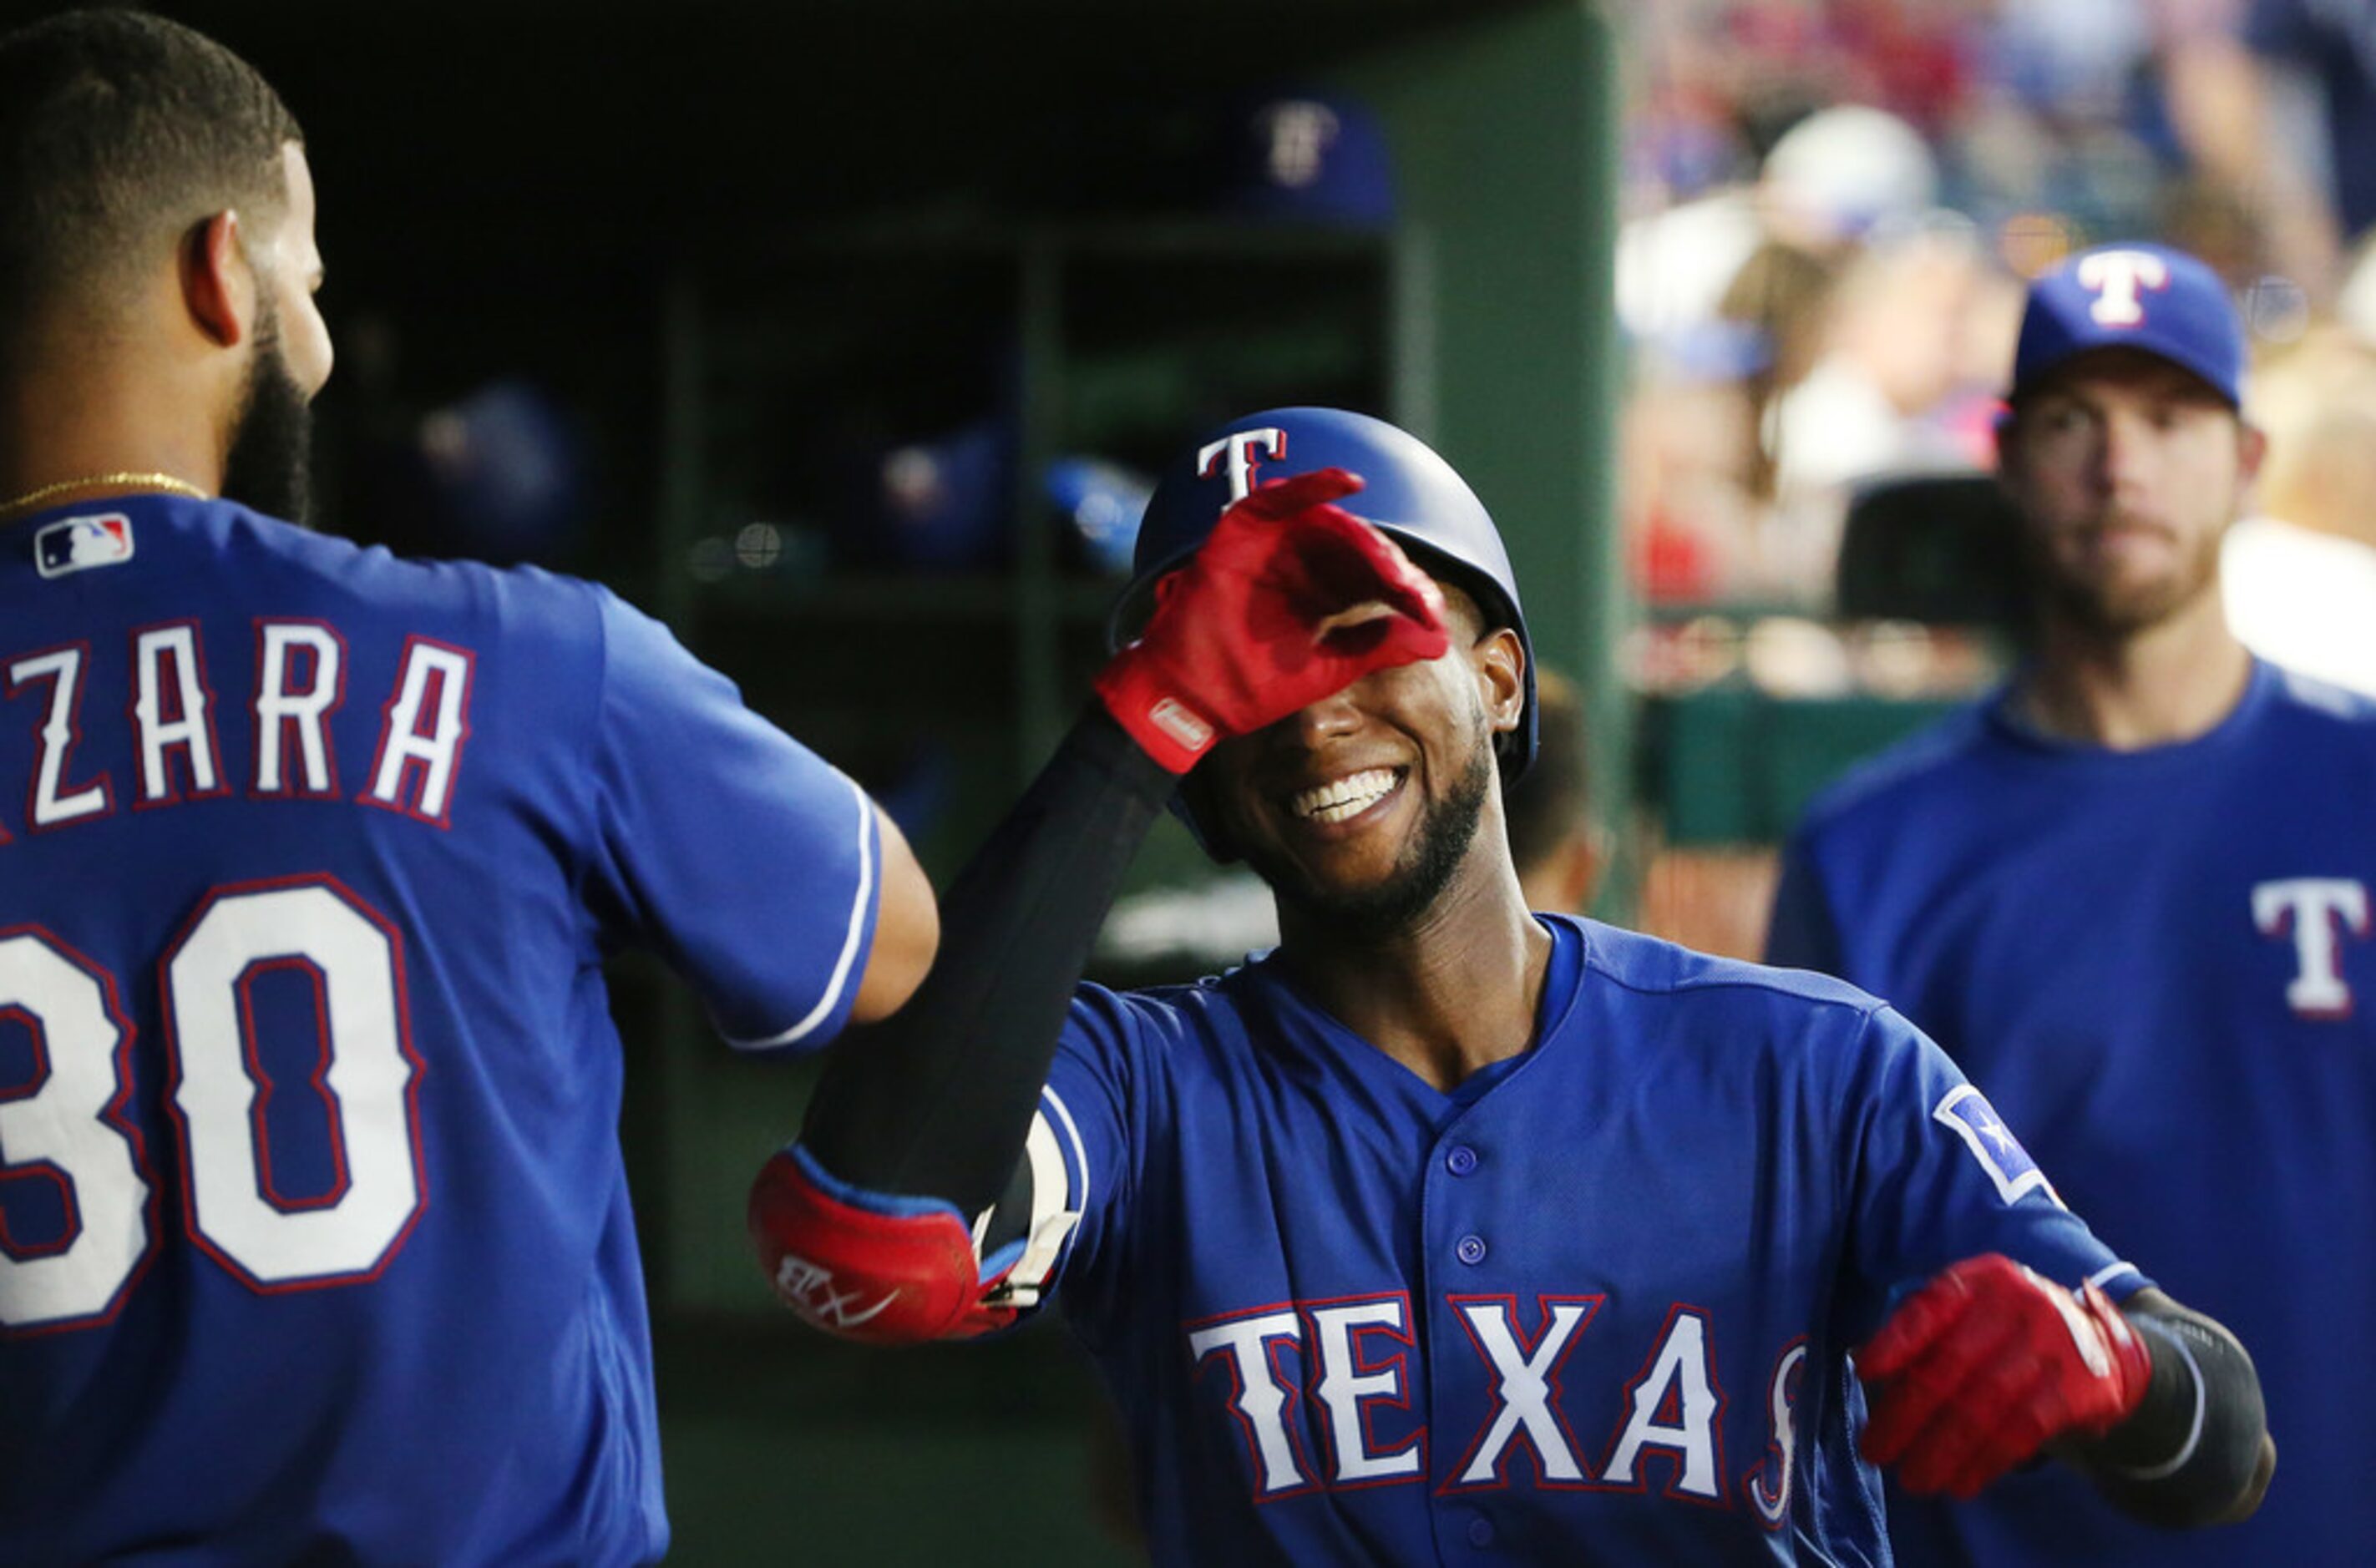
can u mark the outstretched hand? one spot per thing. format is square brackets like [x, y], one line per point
[1987, 1363]
[1290, 600]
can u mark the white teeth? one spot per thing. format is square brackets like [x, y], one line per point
[1346, 797]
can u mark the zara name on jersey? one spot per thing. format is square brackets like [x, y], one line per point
[162, 691]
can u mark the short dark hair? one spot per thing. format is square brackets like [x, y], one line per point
[118, 130]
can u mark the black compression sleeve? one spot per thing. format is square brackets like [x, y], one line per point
[937, 1099]
[2191, 1452]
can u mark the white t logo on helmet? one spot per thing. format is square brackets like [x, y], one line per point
[2114, 277]
[1238, 449]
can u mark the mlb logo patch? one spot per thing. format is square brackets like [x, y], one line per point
[77, 542]
[1974, 1120]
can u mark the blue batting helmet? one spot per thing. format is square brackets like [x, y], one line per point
[1408, 492]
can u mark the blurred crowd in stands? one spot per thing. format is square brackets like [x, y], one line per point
[1831, 205]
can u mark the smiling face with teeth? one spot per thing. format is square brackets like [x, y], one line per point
[1362, 810]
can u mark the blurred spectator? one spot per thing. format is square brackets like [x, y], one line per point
[2330, 47]
[1784, 262]
[1782, 296]
[1842, 173]
[1875, 401]
[1732, 298]
[2298, 578]
[2276, 100]
[1687, 476]
[1829, 181]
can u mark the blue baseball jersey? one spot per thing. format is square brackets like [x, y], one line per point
[2161, 965]
[1594, 1306]
[315, 1240]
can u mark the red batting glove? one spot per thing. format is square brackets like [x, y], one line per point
[1287, 600]
[862, 1273]
[1986, 1364]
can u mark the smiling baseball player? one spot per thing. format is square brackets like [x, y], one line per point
[1447, 1232]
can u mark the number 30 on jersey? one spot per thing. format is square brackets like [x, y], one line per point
[69, 1124]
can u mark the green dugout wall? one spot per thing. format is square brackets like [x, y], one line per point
[1505, 138]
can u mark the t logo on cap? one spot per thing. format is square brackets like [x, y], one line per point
[1238, 449]
[2101, 299]
[2114, 277]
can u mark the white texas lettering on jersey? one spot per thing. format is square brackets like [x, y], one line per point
[1237, 450]
[1524, 1378]
[1349, 1382]
[2116, 277]
[1260, 1399]
[1769, 1485]
[1675, 1408]
[2315, 911]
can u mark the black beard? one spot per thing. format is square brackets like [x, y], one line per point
[269, 466]
[1375, 913]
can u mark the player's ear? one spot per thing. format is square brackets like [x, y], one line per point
[1499, 660]
[2251, 446]
[218, 285]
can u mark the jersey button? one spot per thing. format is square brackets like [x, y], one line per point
[1480, 1532]
[1461, 1160]
[1470, 1250]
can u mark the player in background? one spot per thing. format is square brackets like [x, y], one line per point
[2129, 894]
[315, 1242]
[1556, 842]
[1447, 1232]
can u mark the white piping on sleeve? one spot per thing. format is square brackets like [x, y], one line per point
[826, 1004]
[1073, 1133]
[2110, 1272]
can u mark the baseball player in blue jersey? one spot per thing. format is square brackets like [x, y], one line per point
[1447, 1232]
[2129, 894]
[314, 1244]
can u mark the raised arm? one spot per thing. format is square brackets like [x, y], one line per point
[900, 1214]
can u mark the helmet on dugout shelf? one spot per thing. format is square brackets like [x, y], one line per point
[1408, 492]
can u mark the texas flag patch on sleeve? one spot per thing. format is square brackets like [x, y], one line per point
[1968, 1113]
[73, 543]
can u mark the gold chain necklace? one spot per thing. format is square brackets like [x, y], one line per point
[166, 482]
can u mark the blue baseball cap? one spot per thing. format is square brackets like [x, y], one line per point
[2150, 298]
